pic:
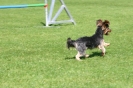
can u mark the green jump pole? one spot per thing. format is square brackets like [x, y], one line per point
[35, 5]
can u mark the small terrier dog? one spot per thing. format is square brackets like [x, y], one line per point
[94, 41]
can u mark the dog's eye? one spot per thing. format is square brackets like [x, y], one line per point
[107, 25]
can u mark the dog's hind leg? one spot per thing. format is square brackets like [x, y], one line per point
[81, 48]
[78, 56]
[86, 55]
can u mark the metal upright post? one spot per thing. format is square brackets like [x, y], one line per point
[46, 13]
[51, 9]
[67, 11]
[57, 13]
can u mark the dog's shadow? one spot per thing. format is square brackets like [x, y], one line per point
[94, 54]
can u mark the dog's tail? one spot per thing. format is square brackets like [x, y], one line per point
[70, 43]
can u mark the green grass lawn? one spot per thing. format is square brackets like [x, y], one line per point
[34, 56]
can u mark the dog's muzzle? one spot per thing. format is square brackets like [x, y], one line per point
[106, 31]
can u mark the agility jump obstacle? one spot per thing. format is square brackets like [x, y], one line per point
[22, 6]
[48, 11]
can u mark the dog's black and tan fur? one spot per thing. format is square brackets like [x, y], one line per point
[94, 41]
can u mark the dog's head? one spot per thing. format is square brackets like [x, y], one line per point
[105, 26]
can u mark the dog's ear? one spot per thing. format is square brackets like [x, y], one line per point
[106, 22]
[99, 22]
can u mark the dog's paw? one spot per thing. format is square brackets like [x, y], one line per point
[103, 54]
[78, 59]
[86, 55]
[106, 44]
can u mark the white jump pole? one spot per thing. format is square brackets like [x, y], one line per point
[46, 13]
[50, 20]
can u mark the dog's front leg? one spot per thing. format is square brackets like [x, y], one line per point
[105, 44]
[101, 47]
